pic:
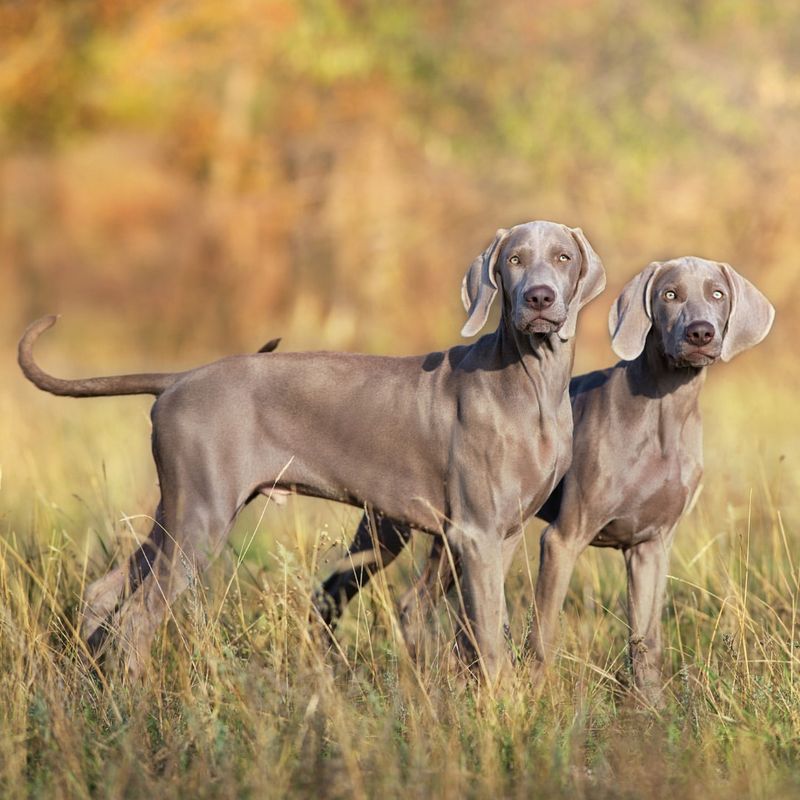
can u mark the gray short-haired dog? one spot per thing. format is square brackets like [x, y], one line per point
[462, 443]
[637, 457]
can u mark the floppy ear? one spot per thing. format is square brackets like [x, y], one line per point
[591, 282]
[631, 316]
[479, 287]
[750, 318]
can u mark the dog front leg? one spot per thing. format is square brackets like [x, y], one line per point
[646, 565]
[557, 559]
[482, 602]
[418, 604]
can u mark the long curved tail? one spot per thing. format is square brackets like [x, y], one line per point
[153, 383]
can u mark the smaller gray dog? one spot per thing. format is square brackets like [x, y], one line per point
[637, 457]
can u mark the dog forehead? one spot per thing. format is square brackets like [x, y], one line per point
[539, 235]
[689, 271]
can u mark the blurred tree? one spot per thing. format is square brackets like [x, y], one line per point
[202, 173]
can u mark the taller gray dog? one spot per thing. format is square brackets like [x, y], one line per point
[465, 443]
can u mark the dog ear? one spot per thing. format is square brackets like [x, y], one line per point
[591, 283]
[479, 287]
[631, 316]
[750, 318]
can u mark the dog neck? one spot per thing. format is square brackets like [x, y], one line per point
[545, 358]
[651, 375]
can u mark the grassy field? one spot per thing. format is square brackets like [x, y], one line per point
[241, 702]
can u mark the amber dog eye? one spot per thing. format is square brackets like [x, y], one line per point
[564, 257]
[669, 295]
[513, 260]
[717, 294]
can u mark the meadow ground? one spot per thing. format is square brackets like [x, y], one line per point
[240, 701]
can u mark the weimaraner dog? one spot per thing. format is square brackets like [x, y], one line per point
[464, 443]
[637, 458]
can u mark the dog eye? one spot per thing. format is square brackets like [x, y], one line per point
[513, 260]
[564, 257]
[670, 295]
[717, 294]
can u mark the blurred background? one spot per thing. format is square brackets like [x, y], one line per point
[182, 180]
[185, 179]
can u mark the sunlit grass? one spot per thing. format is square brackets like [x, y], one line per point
[240, 701]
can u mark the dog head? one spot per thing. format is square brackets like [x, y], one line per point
[700, 311]
[547, 273]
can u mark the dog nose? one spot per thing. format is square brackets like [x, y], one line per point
[540, 297]
[700, 333]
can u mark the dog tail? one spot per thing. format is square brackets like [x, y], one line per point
[153, 383]
[271, 345]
